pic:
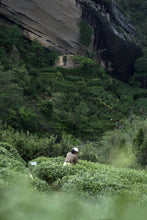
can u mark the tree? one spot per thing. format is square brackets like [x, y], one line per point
[141, 71]
[140, 147]
[41, 57]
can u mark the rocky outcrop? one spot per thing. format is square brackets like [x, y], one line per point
[114, 37]
[55, 23]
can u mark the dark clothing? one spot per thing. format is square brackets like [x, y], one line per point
[71, 158]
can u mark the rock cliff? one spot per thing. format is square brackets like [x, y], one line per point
[57, 23]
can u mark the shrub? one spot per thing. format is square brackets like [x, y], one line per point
[32, 146]
[6, 176]
[11, 163]
[88, 152]
[73, 78]
[140, 75]
[140, 146]
[22, 201]
[40, 185]
[48, 70]
[85, 33]
[46, 107]
[12, 151]
[51, 170]
[92, 179]
[40, 57]
[50, 160]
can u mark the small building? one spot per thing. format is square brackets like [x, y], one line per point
[65, 61]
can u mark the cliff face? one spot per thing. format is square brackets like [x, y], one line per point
[114, 37]
[52, 22]
[55, 23]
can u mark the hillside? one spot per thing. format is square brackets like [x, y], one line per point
[136, 12]
[95, 27]
[47, 109]
[39, 98]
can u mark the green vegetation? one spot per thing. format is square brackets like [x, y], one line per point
[140, 146]
[92, 190]
[85, 33]
[121, 148]
[135, 10]
[38, 98]
[140, 75]
[90, 179]
[40, 101]
[45, 112]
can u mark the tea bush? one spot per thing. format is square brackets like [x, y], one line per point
[50, 160]
[20, 200]
[42, 99]
[103, 180]
[51, 169]
[12, 168]
[11, 151]
[90, 179]
[11, 163]
[40, 185]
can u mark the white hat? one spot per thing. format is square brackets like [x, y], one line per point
[75, 149]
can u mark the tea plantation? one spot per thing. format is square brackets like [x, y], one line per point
[45, 111]
[89, 184]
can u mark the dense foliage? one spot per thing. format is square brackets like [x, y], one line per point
[90, 179]
[140, 146]
[85, 33]
[36, 97]
[136, 11]
[97, 191]
[122, 148]
[45, 111]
